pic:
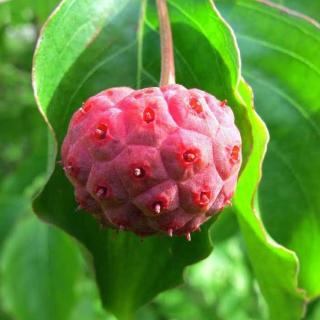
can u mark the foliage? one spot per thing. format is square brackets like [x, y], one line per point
[88, 46]
[290, 111]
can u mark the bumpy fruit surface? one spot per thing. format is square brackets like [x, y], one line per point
[153, 160]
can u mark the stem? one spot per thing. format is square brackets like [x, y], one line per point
[140, 34]
[167, 57]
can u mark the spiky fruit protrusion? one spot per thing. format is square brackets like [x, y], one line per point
[153, 160]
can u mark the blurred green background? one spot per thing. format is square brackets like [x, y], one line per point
[40, 265]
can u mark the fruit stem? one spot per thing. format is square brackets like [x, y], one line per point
[167, 56]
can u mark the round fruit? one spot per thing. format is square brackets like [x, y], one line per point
[153, 160]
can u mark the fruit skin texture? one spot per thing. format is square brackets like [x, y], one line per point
[156, 160]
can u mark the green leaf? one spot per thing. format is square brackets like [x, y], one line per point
[275, 267]
[280, 53]
[39, 269]
[89, 46]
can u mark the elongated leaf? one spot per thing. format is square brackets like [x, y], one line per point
[39, 269]
[281, 60]
[275, 267]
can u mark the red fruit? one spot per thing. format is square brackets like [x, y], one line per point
[153, 160]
